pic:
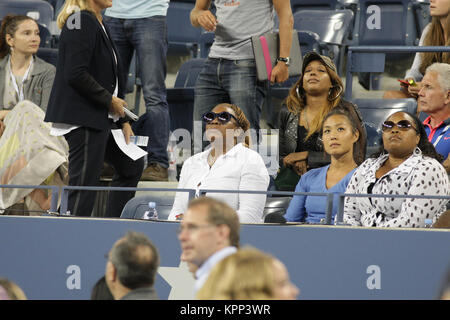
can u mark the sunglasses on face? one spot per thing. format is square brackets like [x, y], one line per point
[223, 117]
[402, 125]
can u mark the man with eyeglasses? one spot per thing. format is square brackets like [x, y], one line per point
[434, 100]
[209, 232]
[131, 268]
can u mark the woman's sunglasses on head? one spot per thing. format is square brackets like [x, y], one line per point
[402, 125]
[222, 117]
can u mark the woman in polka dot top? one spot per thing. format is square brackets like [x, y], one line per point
[407, 164]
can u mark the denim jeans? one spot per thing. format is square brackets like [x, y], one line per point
[148, 36]
[229, 81]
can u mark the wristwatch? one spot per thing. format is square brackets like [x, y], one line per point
[286, 60]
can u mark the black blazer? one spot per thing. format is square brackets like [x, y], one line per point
[86, 75]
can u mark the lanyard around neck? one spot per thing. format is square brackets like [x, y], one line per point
[13, 79]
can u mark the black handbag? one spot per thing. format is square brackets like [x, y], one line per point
[287, 179]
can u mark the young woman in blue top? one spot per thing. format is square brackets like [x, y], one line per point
[339, 135]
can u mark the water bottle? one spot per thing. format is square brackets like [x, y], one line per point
[171, 152]
[428, 223]
[151, 213]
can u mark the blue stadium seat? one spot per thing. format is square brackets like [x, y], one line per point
[39, 10]
[49, 55]
[182, 36]
[422, 14]
[332, 26]
[181, 97]
[375, 111]
[298, 5]
[277, 205]
[46, 37]
[136, 207]
[396, 26]
[205, 42]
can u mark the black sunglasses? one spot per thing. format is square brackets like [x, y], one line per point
[223, 117]
[402, 125]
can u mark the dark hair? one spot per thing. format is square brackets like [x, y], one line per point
[136, 267]
[10, 24]
[348, 111]
[100, 291]
[424, 144]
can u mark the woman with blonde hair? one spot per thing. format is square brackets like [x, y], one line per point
[248, 274]
[10, 290]
[313, 96]
[85, 107]
[436, 33]
[229, 164]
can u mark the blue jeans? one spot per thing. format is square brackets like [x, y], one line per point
[148, 36]
[229, 81]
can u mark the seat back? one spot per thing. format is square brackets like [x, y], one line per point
[277, 205]
[333, 28]
[298, 5]
[49, 55]
[385, 22]
[181, 97]
[182, 36]
[136, 207]
[375, 111]
[39, 10]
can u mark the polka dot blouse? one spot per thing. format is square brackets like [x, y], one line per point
[417, 175]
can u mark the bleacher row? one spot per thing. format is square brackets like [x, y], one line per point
[330, 27]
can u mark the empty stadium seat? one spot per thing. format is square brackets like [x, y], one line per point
[276, 205]
[375, 111]
[298, 5]
[182, 36]
[181, 97]
[332, 26]
[49, 55]
[39, 10]
[136, 207]
[422, 14]
[46, 37]
[385, 23]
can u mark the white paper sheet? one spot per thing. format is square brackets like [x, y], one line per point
[131, 150]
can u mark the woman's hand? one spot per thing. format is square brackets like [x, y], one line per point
[293, 157]
[127, 131]
[117, 106]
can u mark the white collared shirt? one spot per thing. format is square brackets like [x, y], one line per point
[417, 175]
[239, 169]
[203, 272]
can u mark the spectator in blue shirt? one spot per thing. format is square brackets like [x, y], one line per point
[339, 135]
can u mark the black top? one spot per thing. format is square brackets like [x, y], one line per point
[316, 156]
[86, 75]
[312, 144]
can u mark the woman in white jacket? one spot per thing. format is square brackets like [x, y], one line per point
[229, 164]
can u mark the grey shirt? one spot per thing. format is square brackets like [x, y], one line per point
[238, 21]
[37, 87]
